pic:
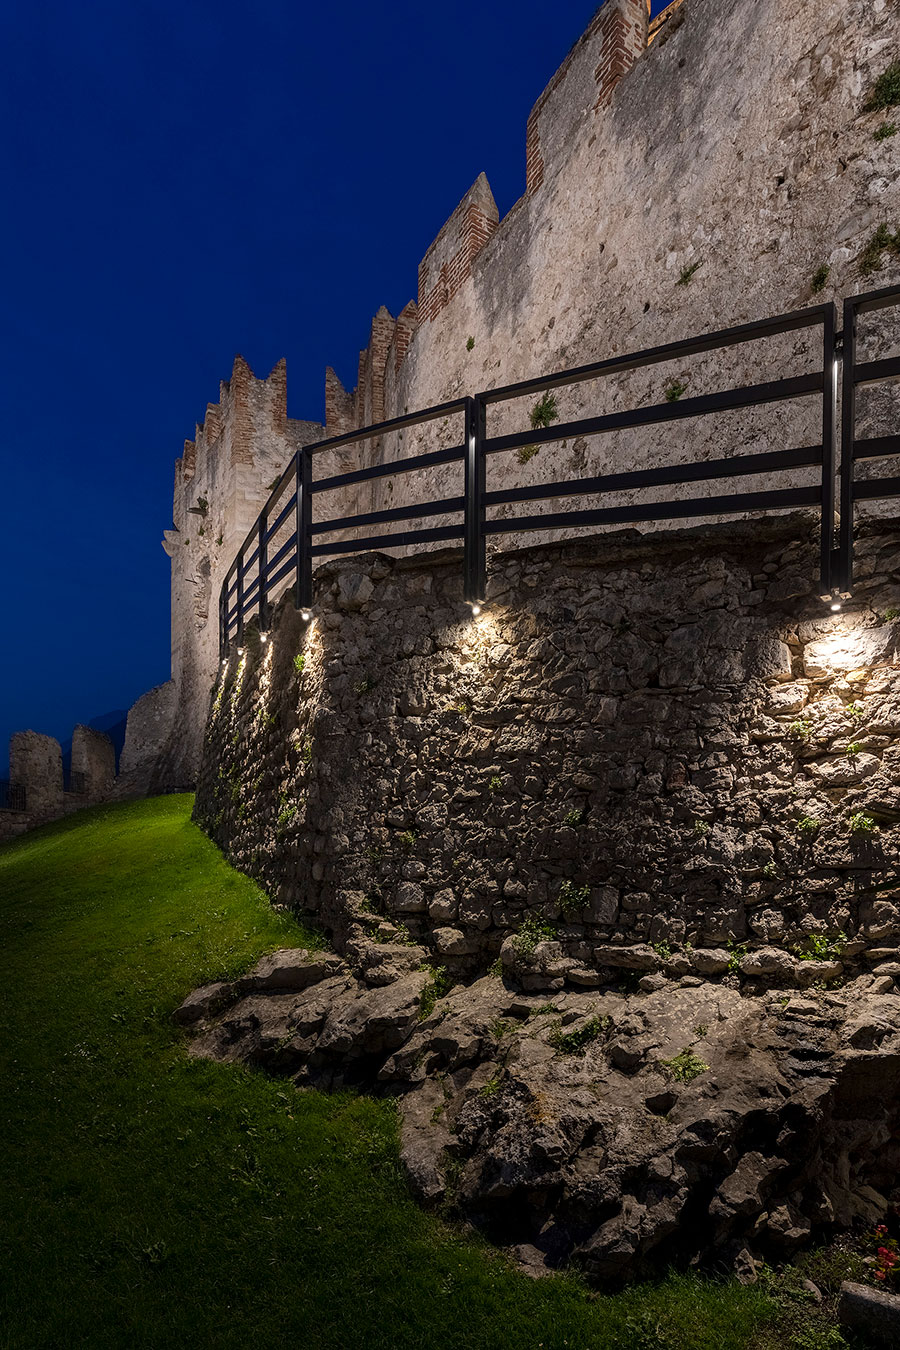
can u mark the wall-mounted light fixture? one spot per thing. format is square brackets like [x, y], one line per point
[306, 615]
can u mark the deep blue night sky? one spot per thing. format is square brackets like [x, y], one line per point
[183, 181]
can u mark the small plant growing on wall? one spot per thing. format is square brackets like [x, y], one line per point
[689, 272]
[702, 827]
[855, 709]
[685, 1067]
[572, 898]
[437, 988]
[885, 131]
[809, 826]
[674, 390]
[861, 824]
[800, 730]
[885, 92]
[576, 1042]
[821, 947]
[470, 344]
[495, 783]
[820, 278]
[544, 413]
[530, 933]
[299, 662]
[872, 257]
[736, 953]
[573, 819]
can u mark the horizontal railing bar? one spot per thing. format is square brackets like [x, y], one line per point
[250, 594]
[252, 557]
[872, 300]
[697, 506]
[877, 487]
[273, 529]
[681, 410]
[695, 472]
[875, 446]
[282, 572]
[390, 540]
[726, 337]
[231, 589]
[393, 466]
[277, 557]
[752, 394]
[395, 424]
[232, 615]
[444, 507]
[874, 372]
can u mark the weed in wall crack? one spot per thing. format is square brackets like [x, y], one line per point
[544, 413]
[689, 272]
[885, 131]
[572, 899]
[872, 257]
[685, 1067]
[885, 91]
[674, 390]
[820, 278]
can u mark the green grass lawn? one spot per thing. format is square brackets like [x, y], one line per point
[152, 1201]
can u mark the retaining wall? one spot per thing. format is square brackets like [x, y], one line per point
[664, 739]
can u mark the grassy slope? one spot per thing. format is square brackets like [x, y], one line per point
[151, 1201]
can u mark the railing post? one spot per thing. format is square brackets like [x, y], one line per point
[239, 597]
[262, 571]
[843, 579]
[303, 480]
[828, 561]
[475, 578]
[223, 615]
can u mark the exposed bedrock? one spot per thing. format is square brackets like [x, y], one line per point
[697, 1122]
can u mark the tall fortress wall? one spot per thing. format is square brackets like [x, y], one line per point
[730, 138]
[681, 175]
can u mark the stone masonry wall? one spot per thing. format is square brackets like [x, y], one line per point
[663, 740]
[703, 180]
[697, 184]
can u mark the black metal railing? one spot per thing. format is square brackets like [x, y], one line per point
[259, 568]
[858, 375]
[12, 796]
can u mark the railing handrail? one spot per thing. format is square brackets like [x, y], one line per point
[239, 598]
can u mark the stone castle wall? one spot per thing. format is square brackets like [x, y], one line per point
[697, 182]
[662, 740]
[221, 481]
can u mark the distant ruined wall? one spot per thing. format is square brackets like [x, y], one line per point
[36, 766]
[658, 739]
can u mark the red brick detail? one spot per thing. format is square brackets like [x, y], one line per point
[475, 230]
[623, 31]
[407, 322]
[239, 412]
[189, 460]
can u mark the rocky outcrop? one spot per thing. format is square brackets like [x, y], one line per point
[656, 1117]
